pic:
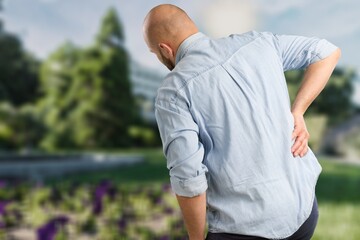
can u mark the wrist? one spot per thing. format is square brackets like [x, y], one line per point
[297, 113]
[196, 235]
[196, 238]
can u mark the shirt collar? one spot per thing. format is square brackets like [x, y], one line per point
[185, 45]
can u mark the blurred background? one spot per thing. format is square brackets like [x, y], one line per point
[80, 152]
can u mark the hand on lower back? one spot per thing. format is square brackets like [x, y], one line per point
[301, 136]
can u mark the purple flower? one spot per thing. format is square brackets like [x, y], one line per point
[122, 223]
[158, 200]
[3, 205]
[46, 232]
[49, 230]
[166, 187]
[165, 237]
[112, 192]
[104, 188]
[168, 210]
[97, 206]
[2, 225]
[3, 183]
[155, 196]
[62, 220]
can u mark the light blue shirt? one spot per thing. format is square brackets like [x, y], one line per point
[225, 121]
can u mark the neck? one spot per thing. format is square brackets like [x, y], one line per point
[182, 38]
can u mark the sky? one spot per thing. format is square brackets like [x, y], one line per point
[45, 24]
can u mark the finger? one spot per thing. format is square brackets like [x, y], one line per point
[306, 149]
[296, 149]
[295, 133]
[296, 152]
[298, 142]
[301, 149]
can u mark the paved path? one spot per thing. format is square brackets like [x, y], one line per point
[38, 167]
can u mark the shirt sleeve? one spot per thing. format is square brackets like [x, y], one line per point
[297, 52]
[182, 148]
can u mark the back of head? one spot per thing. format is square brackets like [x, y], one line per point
[169, 24]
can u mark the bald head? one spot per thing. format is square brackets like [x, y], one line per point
[164, 28]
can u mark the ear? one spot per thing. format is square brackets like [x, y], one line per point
[166, 50]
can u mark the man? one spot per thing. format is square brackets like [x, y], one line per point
[237, 151]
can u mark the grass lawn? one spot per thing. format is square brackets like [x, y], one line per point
[152, 171]
[337, 191]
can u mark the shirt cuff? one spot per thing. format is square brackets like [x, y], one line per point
[189, 187]
[324, 49]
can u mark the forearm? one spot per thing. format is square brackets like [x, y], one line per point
[194, 213]
[315, 78]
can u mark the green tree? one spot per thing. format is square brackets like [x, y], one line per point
[20, 127]
[89, 101]
[111, 31]
[117, 104]
[335, 99]
[59, 96]
[18, 71]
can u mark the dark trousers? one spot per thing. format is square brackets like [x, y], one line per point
[305, 232]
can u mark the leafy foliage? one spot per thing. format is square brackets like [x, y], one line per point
[18, 72]
[65, 211]
[88, 101]
[19, 126]
[334, 100]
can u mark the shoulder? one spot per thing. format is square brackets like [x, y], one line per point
[253, 34]
[170, 88]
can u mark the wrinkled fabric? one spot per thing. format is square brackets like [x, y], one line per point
[225, 122]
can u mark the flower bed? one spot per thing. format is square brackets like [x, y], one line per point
[105, 211]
